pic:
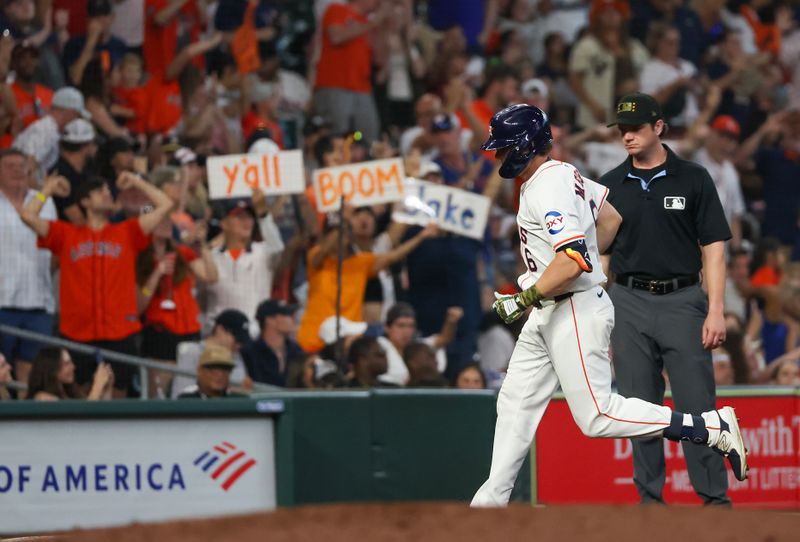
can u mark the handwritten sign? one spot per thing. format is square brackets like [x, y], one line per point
[237, 175]
[365, 183]
[454, 210]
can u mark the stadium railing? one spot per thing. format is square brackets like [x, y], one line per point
[143, 364]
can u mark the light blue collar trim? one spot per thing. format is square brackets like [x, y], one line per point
[646, 185]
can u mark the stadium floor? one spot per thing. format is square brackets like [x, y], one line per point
[455, 522]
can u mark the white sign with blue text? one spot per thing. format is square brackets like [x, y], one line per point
[454, 210]
[58, 475]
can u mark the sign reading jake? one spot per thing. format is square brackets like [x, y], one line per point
[454, 210]
[237, 175]
[365, 183]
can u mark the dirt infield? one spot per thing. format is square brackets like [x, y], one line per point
[456, 522]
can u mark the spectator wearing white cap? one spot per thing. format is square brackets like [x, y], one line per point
[535, 93]
[78, 148]
[40, 140]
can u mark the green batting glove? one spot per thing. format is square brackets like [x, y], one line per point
[508, 307]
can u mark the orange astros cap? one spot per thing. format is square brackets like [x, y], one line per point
[727, 125]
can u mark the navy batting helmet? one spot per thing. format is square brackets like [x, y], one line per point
[524, 128]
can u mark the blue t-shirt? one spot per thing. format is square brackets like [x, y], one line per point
[780, 174]
[442, 14]
[442, 273]
[451, 176]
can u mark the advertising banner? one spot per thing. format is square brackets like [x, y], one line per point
[454, 210]
[66, 474]
[364, 183]
[571, 468]
[237, 175]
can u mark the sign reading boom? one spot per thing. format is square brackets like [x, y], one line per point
[365, 183]
[236, 175]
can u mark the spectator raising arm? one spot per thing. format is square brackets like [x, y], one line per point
[162, 202]
[449, 328]
[169, 12]
[342, 33]
[94, 32]
[383, 261]
[54, 185]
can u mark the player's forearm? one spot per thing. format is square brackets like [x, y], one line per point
[608, 222]
[558, 277]
[714, 273]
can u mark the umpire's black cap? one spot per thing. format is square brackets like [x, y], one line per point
[637, 108]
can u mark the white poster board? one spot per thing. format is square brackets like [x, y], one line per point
[364, 183]
[237, 175]
[454, 210]
[66, 474]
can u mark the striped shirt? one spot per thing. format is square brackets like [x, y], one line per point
[25, 280]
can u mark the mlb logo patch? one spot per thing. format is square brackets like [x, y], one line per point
[675, 203]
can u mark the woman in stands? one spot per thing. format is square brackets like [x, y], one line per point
[52, 378]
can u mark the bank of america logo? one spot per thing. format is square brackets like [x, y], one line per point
[226, 463]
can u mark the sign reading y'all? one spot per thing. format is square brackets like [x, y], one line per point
[237, 175]
[364, 183]
[454, 210]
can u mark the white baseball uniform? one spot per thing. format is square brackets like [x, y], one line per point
[565, 342]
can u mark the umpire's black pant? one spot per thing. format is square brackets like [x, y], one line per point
[656, 332]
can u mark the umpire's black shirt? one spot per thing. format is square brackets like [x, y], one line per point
[664, 217]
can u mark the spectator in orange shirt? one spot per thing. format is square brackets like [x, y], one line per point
[343, 91]
[33, 99]
[130, 95]
[500, 90]
[264, 99]
[166, 273]
[162, 21]
[357, 267]
[98, 278]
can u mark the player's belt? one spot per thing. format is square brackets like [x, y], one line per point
[562, 297]
[657, 286]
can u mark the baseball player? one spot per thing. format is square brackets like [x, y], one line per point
[564, 224]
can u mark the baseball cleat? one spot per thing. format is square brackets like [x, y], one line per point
[730, 442]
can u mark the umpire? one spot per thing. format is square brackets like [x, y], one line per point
[673, 227]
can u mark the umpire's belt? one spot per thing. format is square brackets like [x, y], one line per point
[657, 286]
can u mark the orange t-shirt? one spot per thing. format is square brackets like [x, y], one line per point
[98, 278]
[161, 42]
[137, 99]
[166, 108]
[251, 121]
[28, 111]
[185, 319]
[765, 276]
[484, 114]
[322, 294]
[347, 65]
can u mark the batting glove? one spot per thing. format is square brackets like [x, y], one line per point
[508, 307]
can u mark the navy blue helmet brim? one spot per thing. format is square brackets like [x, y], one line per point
[493, 144]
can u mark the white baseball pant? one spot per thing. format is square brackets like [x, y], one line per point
[565, 343]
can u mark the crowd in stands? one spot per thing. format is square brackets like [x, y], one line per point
[110, 109]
